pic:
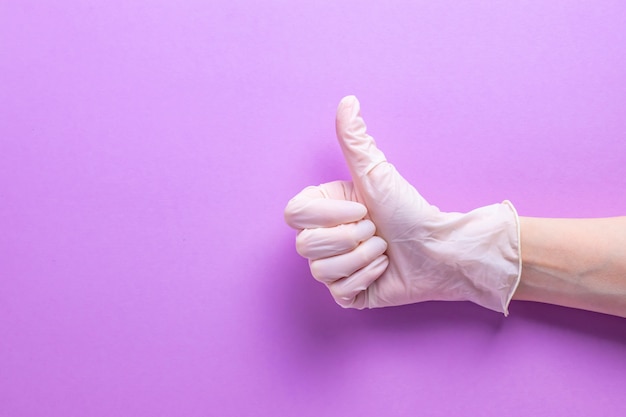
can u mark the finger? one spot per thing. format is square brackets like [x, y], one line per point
[352, 291]
[325, 242]
[379, 184]
[328, 270]
[359, 148]
[312, 208]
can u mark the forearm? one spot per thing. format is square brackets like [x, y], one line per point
[578, 263]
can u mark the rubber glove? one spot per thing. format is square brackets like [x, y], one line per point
[376, 242]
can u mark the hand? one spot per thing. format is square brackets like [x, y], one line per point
[377, 242]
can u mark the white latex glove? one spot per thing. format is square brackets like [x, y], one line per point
[377, 242]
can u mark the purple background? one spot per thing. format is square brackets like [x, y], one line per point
[147, 149]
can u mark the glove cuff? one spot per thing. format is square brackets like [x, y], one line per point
[516, 246]
[497, 266]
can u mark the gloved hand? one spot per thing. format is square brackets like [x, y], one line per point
[377, 242]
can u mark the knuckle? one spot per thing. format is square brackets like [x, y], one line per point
[337, 294]
[303, 242]
[344, 303]
[317, 271]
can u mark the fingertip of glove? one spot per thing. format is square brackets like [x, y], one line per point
[347, 110]
[348, 102]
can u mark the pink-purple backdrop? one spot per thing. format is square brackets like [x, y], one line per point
[147, 149]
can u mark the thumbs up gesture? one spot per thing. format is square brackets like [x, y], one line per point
[376, 242]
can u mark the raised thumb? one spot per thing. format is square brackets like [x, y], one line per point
[359, 148]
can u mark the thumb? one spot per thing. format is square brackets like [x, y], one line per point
[382, 190]
[359, 148]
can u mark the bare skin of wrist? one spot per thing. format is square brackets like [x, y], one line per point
[579, 263]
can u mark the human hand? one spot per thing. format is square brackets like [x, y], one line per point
[377, 242]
